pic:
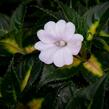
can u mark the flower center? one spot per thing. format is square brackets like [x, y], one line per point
[61, 43]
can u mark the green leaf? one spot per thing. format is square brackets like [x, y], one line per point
[64, 94]
[48, 12]
[27, 70]
[103, 34]
[70, 14]
[18, 18]
[10, 45]
[22, 73]
[4, 24]
[99, 93]
[103, 26]
[91, 97]
[12, 42]
[51, 74]
[104, 43]
[96, 12]
[8, 89]
[16, 23]
[96, 18]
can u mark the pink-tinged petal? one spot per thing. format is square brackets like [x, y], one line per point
[69, 31]
[68, 58]
[60, 28]
[42, 46]
[78, 37]
[46, 56]
[63, 57]
[45, 37]
[75, 43]
[70, 28]
[74, 46]
[50, 28]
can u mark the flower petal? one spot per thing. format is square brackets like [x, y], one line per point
[77, 37]
[60, 28]
[42, 46]
[45, 37]
[75, 43]
[63, 57]
[74, 46]
[50, 28]
[46, 56]
[70, 29]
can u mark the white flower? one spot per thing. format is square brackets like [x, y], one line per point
[58, 43]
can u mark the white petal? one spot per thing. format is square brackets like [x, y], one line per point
[46, 56]
[74, 46]
[60, 28]
[75, 43]
[64, 30]
[69, 31]
[63, 57]
[45, 37]
[42, 46]
[50, 28]
[70, 28]
[77, 37]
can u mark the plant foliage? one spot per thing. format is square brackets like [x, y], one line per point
[27, 83]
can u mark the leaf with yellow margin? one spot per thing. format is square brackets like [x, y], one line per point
[105, 44]
[94, 66]
[25, 80]
[11, 46]
[35, 103]
[103, 33]
[92, 30]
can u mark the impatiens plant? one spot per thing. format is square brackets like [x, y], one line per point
[54, 54]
